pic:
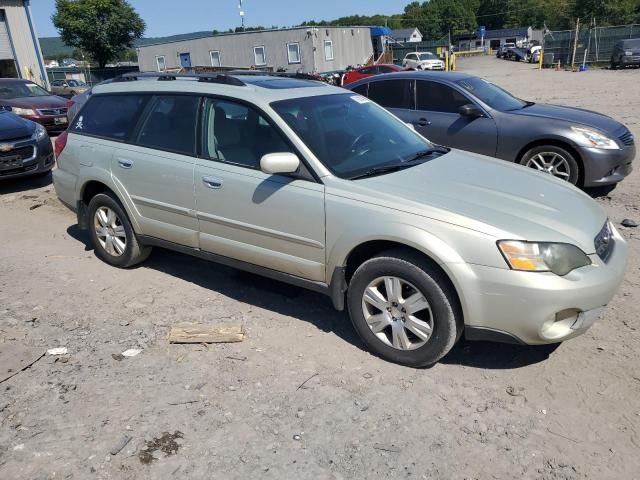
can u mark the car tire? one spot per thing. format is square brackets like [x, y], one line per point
[117, 243]
[442, 313]
[553, 160]
[613, 65]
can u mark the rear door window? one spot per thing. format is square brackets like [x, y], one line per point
[391, 93]
[110, 116]
[437, 97]
[170, 124]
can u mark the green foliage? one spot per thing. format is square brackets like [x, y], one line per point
[103, 28]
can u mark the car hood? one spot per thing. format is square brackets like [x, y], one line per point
[577, 116]
[45, 101]
[433, 60]
[12, 127]
[491, 196]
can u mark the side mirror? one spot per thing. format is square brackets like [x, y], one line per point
[279, 163]
[470, 110]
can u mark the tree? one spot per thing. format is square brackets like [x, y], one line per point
[104, 29]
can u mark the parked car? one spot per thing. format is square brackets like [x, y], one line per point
[517, 54]
[68, 88]
[314, 185]
[25, 147]
[503, 48]
[423, 61]
[369, 71]
[626, 53]
[462, 111]
[33, 102]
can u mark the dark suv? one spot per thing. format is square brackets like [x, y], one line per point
[625, 53]
[25, 148]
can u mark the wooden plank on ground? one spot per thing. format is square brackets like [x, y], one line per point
[198, 333]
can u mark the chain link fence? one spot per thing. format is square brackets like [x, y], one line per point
[594, 44]
[400, 50]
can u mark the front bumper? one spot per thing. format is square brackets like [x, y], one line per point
[538, 308]
[631, 60]
[41, 162]
[604, 167]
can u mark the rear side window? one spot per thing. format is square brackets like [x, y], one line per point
[437, 97]
[362, 89]
[391, 93]
[170, 124]
[110, 116]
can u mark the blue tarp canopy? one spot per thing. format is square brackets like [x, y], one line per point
[380, 32]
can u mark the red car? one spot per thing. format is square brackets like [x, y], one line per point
[364, 72]
[31, 101]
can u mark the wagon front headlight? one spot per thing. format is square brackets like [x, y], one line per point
[558, 258]
[587, 137]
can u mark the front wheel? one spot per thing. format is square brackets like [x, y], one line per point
[553, 160]
[113, 237]
[404, 310]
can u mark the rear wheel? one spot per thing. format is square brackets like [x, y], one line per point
[553, 160]
[113, 237]
[404, 310]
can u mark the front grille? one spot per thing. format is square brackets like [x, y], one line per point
[604, 242]
[53, 111]
[626, 138]
[23, 153]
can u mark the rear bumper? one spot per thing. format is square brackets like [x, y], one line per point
[537, 308]
[604, 167]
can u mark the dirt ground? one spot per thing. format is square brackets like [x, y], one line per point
[243, 410]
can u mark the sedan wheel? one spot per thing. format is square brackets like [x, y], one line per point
[553, 160]
[397, 313]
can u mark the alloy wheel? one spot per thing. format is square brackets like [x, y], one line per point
[110, 231]
[397, 313]
[552, 163]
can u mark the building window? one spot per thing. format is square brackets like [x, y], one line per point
[293, 52]
[215, 58]
[260, 56]
[328, 50]
[160, 63]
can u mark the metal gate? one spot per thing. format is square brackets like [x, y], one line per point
[6, 52]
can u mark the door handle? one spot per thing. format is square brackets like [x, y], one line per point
[423, 122]
[126, 164]
[212, 182]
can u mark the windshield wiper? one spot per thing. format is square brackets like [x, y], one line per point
[528, 104]
[405, 163]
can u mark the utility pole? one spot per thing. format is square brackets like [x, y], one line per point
[575, 43]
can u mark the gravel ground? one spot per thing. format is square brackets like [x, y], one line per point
[244, 410]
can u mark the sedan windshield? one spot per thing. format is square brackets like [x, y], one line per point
[21, 90]
[492, 95]
[351, 135]
[428, 56]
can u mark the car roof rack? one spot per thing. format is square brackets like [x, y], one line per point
[169, 77]
[260, 73]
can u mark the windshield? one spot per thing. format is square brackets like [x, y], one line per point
[428, 56]
[349, 133]
[491, 94]
[21, 90]
[633, 43]
[76, 83]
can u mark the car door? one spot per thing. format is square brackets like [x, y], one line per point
[272, 221]
[155, 168]
[437, 117]
[394, 95]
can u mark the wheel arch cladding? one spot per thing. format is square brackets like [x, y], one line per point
[367, 250]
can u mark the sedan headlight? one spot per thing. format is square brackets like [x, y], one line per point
[40, 132]
[559, 258]
[588, 137]
[27, 112]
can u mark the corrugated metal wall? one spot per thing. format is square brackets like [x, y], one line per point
[351, 46]
[27, 53]
[6, 52]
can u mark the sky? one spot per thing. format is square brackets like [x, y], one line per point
[165, 17]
